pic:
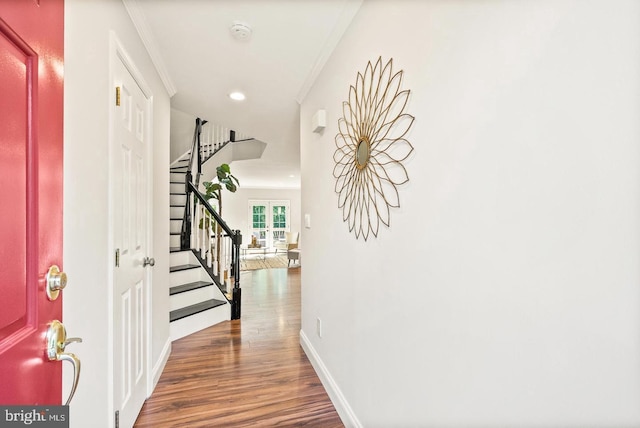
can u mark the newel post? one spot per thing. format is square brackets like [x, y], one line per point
[237, 291]
[185, 232]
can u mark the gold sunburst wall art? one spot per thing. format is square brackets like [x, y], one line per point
[371, 148]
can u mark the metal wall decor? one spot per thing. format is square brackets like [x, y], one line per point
[371, 148]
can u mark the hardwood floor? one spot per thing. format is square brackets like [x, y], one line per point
[249, 372]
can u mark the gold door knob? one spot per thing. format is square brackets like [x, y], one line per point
[56, 342]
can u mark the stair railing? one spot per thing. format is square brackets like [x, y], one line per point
[207, 225]
[215, 137]
[201, 223]
[194, 166]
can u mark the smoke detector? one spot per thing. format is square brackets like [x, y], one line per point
[240, 31]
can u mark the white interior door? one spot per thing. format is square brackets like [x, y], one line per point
[268, 221]
[131, 219]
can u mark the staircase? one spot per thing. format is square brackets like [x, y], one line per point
[196, 301]
[201, 294]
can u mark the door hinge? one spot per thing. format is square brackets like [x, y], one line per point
[117, 257]
[117, 96]
[117, 425]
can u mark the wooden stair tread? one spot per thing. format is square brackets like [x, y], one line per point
[179, 268]
[194, 309]
[188, 287]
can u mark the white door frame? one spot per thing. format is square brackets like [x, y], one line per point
[117, 53]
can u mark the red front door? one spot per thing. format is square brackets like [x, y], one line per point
[31, 75]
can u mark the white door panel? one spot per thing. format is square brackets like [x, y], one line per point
[131, 219]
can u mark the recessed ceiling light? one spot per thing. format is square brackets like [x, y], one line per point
[238, 96]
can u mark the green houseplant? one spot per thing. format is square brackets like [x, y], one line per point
[213, 190]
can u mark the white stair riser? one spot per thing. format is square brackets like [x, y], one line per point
[178, 199]
[182, 258]
[174, 240]
[192, 297]
[175, 225]
[186, 276]
[177, 176]
[177, 212]
[197, 322]
[176, 187]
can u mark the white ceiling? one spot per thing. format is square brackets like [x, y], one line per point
[191, 44]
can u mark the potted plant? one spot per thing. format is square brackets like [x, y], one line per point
[213, 190]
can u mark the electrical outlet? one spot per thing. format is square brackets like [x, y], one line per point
[319, 327]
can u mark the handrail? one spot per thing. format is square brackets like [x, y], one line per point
[209, 208]
[193, 146]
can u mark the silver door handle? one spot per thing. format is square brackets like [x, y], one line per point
[148, 261]
[56, 281]
[56, 342]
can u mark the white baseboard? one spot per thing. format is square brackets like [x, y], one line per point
[349, 418]
[158, 368]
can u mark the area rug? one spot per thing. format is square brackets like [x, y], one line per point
[270, 262]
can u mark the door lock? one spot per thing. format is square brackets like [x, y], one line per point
[56, 342]
[56, 281]
[148, 261]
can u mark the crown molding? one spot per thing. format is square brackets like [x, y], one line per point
[140, 23]
[349, 10]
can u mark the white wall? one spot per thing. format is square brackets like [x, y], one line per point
[505, 292]
[235, 207]
[86, 181]
[182, 126]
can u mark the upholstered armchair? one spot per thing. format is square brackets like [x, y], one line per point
[289, 243]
